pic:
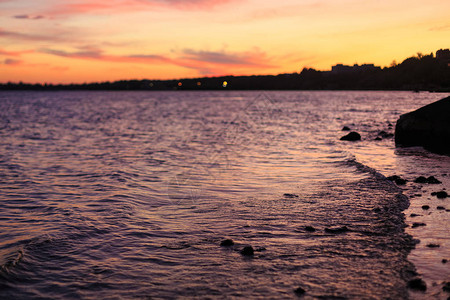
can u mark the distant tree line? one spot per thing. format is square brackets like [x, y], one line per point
[421, 72]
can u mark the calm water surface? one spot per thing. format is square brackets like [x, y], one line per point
[129, 194]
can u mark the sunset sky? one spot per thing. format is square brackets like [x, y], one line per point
[83, 41]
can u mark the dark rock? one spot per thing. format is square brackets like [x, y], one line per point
[227, 243]
[433, 193]
[417, 284]
[415, 225]
[290, 195]
[428, 127]
[352, 136]
[337, 229]
[444, 261]
[420, 179]
[433, 180]
[440, 208]
[425, 207]
[385, 134]
[433, 245]
[446, 287]
[345, 128]
[441, 195]
[310, 229]
[299, 291]
[378, 138]
[414, 215]
[397, 179]
[393, 177]
[248, 251]
[400, 181]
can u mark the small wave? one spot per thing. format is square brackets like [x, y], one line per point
[10, 261]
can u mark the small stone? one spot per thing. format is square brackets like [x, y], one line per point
[290, 195]
[385, 134]
[337, 229]
[400, 181]
[444, 261]
[442, 195]
[433, 245]
[417, 284]
[440, 208]
[310, 229]
[397, 179]
[432, 180]
[226, 243]
[414, 215]
[352, 136]
[378, 139]
[345, 128]
[425, 207]
[420, 179]
[446, 287]
[248, 251]
[414, 225]
[299, 291]
[393, 177]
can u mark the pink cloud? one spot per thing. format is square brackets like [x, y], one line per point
[28, 17]
[30, 37]
[118, 6]
[204, 62]
[220, 62]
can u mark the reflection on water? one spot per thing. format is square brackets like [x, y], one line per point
[130, 194]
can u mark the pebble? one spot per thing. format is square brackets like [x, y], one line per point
[248, 251]
[417, 284]
[352, 136]
[425, 207]
[433, 245]
[446, 287]
[227, 243]
[290, 195]
[299, 291]
[414, 225]
[442, 195]
[310, 229]
[429, 180]
[337, 229]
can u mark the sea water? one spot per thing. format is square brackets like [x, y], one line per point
[129, 195]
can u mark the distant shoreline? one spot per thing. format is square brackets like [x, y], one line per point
[419, 73]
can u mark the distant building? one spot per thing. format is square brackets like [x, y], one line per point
[340, 68]
[444, 56]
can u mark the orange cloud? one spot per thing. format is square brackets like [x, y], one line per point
[204, 62]
[14, 53]
[12, 62]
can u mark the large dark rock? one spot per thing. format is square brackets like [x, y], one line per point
[352, 136]
[428, 127]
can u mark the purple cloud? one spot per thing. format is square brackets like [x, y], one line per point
[28, 17]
